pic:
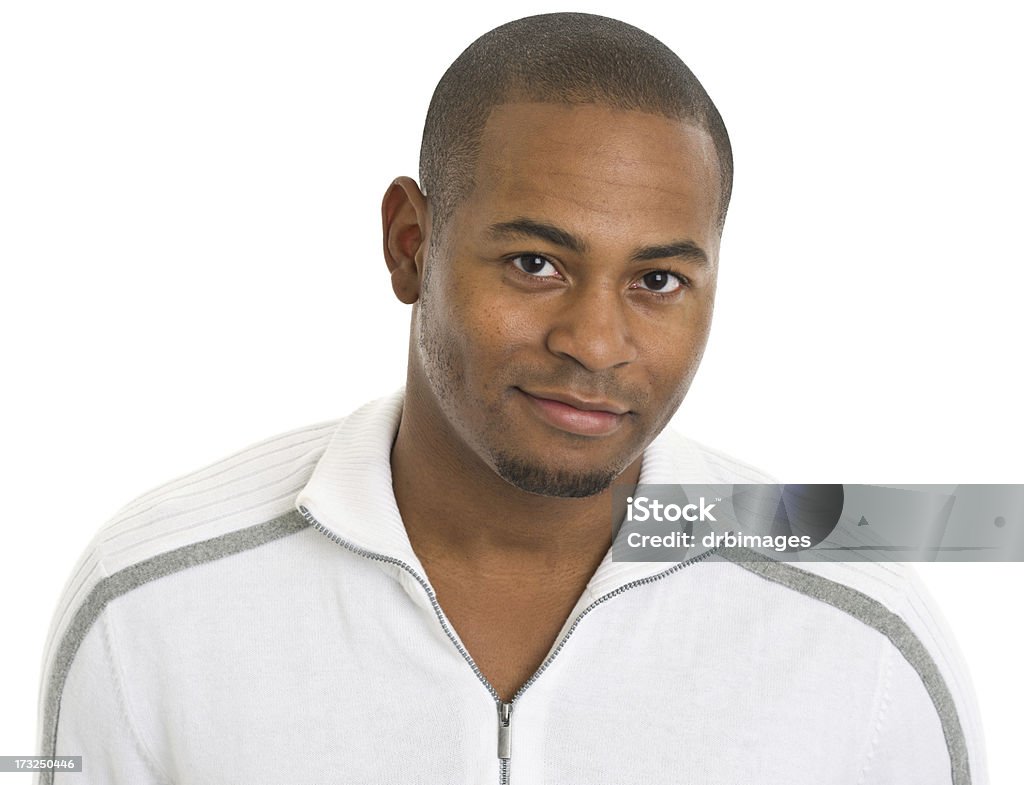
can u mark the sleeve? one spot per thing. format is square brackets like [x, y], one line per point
[89, 717]
[927, 727]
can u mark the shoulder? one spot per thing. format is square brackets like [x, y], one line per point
[926, 678]
[249, 486]
[236, 503]
[927, 682]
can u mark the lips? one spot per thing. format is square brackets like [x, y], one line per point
[581, 416]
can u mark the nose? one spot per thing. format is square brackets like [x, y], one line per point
[592, 328]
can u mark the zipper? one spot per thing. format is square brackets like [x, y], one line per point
[504, 741]
[504, 709]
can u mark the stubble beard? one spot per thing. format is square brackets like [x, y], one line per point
[544, 482]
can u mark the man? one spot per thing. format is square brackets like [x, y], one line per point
[423, 591]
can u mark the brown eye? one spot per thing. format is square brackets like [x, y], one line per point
[534, 265]
[661, 281]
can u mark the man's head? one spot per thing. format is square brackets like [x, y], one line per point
[560, 58]
[563, 260]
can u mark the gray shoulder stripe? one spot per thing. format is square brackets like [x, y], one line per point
[123, 581]
[876, 615]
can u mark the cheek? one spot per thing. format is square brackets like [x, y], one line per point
[494, 327]
[672, 351]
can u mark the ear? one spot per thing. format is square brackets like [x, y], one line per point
[406, 224]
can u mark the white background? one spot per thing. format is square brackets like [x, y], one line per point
[189, 235]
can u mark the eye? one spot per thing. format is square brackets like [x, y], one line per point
[534, 265]
[661, 282]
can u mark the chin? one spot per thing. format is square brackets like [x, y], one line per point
[544, 481]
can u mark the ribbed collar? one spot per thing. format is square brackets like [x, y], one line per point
[350, 492]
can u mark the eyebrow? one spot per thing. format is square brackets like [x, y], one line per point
[686, 250]
[681, 249]
[520, 227]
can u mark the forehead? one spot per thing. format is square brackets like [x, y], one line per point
[595, 164]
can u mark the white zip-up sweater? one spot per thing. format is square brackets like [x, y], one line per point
[265, 620]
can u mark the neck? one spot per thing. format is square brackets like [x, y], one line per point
[457, 509]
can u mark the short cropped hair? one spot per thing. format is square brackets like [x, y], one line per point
[566, 58]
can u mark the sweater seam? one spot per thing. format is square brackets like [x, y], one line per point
[882, 702]
[124, 705]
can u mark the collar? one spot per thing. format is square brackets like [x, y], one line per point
[350, 492]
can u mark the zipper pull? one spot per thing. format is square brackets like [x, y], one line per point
[504, 730]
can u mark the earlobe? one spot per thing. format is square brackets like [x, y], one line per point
[406, 228]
